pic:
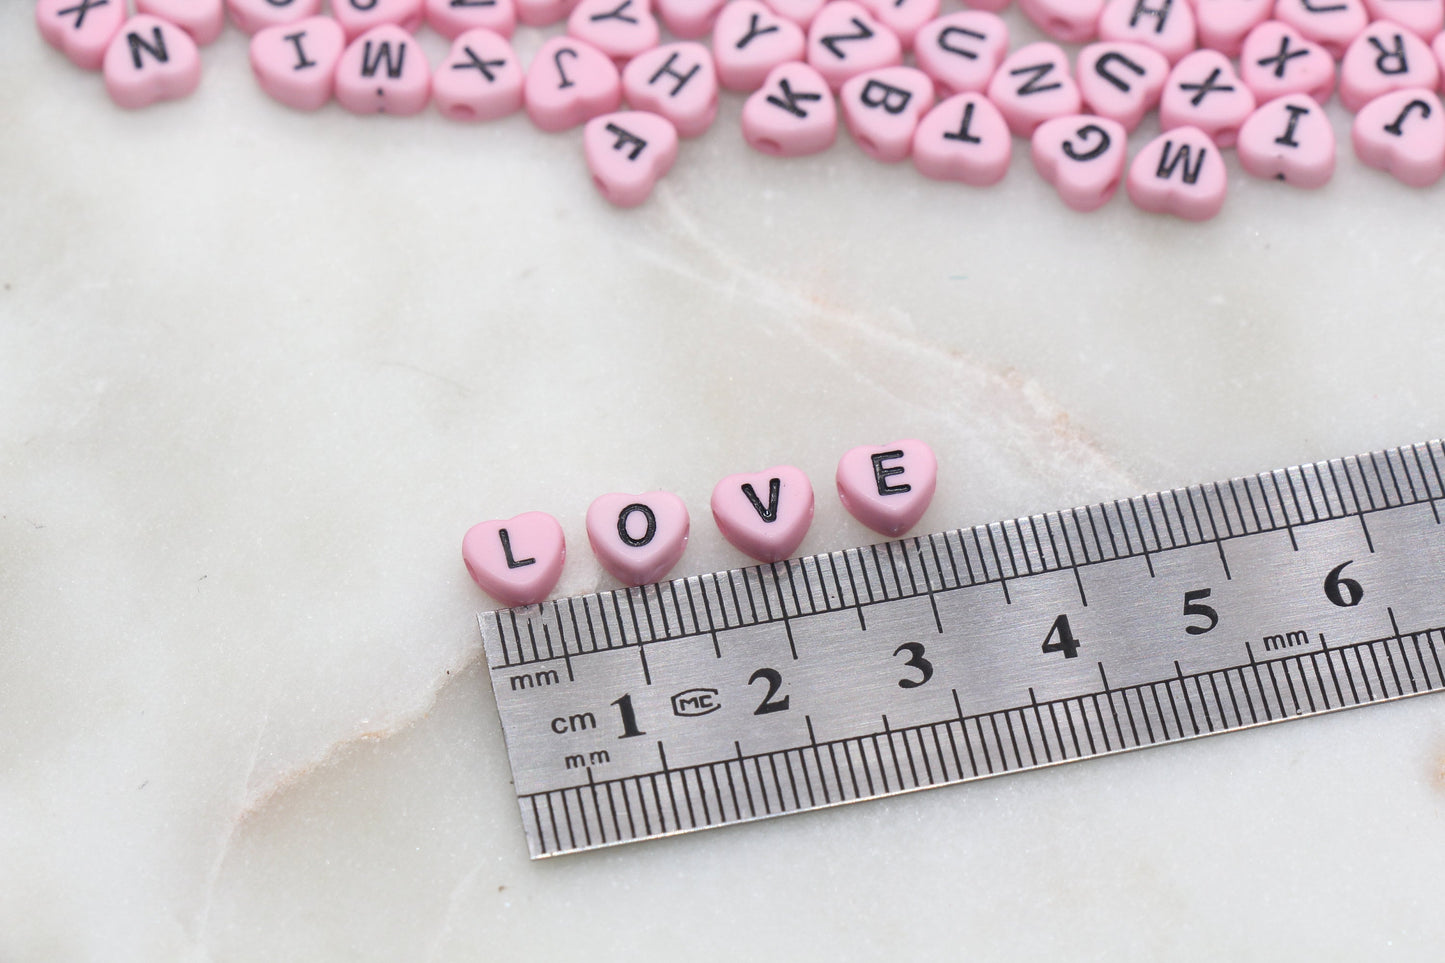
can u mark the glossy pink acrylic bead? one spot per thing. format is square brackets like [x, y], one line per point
[150, 60]
[570, 82]
[1180, 172]
[1083, 157]
[295, 63]
[1121, 81]
[1403, 134]
[677, 81]
[253, 16]
[1288, 139]
[638, 538]
[1383, 58]
[1032, 85]
[800, 12]
[1165, 25]
[764, 514]
[628, 152]
[888, 487]
[202, 19]
[358, 16]
[904, 17]
[688, 19]
[1330, 23]
[621, 29]
[1277, 60]
[882, 109]
[1423, 18]
[1223, 24]
[964, 139]
[961, 51]
[383, 71]
[845, 40]
[749, 40]
[1067, 21]
[452, 18]
[516, 560]
[480, 79]
[80, 30]
[792, 114]
[1203, 91]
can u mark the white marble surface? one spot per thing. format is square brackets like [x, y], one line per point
[259, 371]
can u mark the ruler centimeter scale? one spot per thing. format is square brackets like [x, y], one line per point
[939, 659]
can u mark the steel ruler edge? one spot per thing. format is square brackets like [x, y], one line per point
[938, 659]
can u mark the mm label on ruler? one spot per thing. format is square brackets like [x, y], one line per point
[944, 658]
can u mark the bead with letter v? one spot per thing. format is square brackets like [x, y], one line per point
[764, 514]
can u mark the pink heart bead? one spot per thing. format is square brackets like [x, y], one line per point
[481, 78]
[452, 18]
[888, 487]
[1383, 58]
[882, 109]
[1423, 18]
[202, 19]
[1289, 139]
[628, 152]
[1223, 24]
[621, 29]
[638, 538]
[965, 139]
[516, 560]
[383, 71]
[253, 16]
[1403, 134]
[1330, 23]
[800, 12]
[1083, 157]
[570, 82]
[358, 16]
[1122, 81]
[1180, 172]
[1203, 91]
[904, 17]
[1277, 60]
[543, 13]
[1033, 85]
[295, 63]
[80, 29]
[689, 19]
[792, 114]
[845, 40]
[150, 60]
[1165, 25]
[749, 40]
[676, 80]
[1067, 21]
[961, 51]
[764, 514]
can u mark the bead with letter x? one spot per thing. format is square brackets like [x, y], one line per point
[1281, 59]
[475, 62]
[1206, 87]
[80, 10]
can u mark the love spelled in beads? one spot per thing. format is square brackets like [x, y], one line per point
[805, 63]
[639, 538]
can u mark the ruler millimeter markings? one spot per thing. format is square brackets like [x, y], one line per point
[944, 658]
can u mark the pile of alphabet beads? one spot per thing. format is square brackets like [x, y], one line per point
[907, 79]
[639, 538]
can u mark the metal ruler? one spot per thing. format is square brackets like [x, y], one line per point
[940, 659]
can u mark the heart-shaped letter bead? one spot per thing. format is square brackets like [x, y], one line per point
[800, 12]
[358, 16]
[1403, 134]
[481, 79]
[628, 152]
[1165, 25]
[516, 560]
[621, 29]
[792, 114]
[570, 82]
[845, 40]
[202, 19]
[1330, 23]
[383, 71]
[963, 139]
[764, 514]
[961, 51]
[1203, 91]
[1289, 139]
[676, 80]
[452, 18]
[1383, 58]
[150, 60]
[1083, 157]
[888, 487]
[1423, 18]
[904, 17]
[295, 63]
[1033, 85]
[1223, 24]
[882, 109]
[1277, 61]
[1180, 172]
[80, 29]
[1122, 81]
[638, 538]
[749, 40]
[1067, 21]
[688, 19]
[253, 16]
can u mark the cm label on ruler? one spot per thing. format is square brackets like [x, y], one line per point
[979, 651]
